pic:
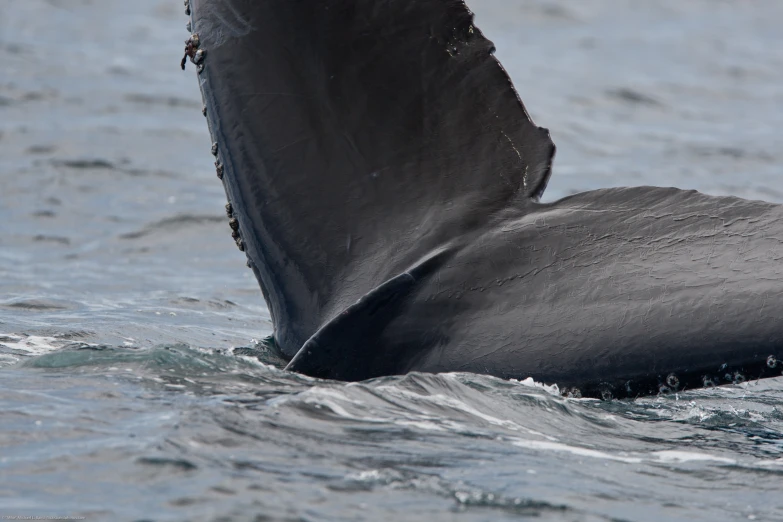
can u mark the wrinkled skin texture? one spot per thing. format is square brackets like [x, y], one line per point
[614, 286]
[375, 151]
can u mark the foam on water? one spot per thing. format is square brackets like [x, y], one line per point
[14, 347]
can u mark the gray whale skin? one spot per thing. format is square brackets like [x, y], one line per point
[384, 177]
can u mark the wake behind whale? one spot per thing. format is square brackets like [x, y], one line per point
[383, 178]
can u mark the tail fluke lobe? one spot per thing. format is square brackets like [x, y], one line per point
[349, 347]
[355, 136]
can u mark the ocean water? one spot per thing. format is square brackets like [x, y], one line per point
[134, 382]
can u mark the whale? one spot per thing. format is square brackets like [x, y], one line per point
[384, 181]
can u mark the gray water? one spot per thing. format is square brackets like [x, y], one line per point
[123, 301]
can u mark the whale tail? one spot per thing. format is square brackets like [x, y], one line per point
[354, 138]
[382, 175]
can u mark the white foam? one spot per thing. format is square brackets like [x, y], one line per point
[32, 344]
[688, 456]
[420, 424]
[29, 345]
[552, 389]
[768, 463]
[574, 450]
[667, 456]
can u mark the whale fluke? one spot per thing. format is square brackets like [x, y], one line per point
[383, 178]
[356, 136]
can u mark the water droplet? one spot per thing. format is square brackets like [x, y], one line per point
[772, 361]
[672, 380]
